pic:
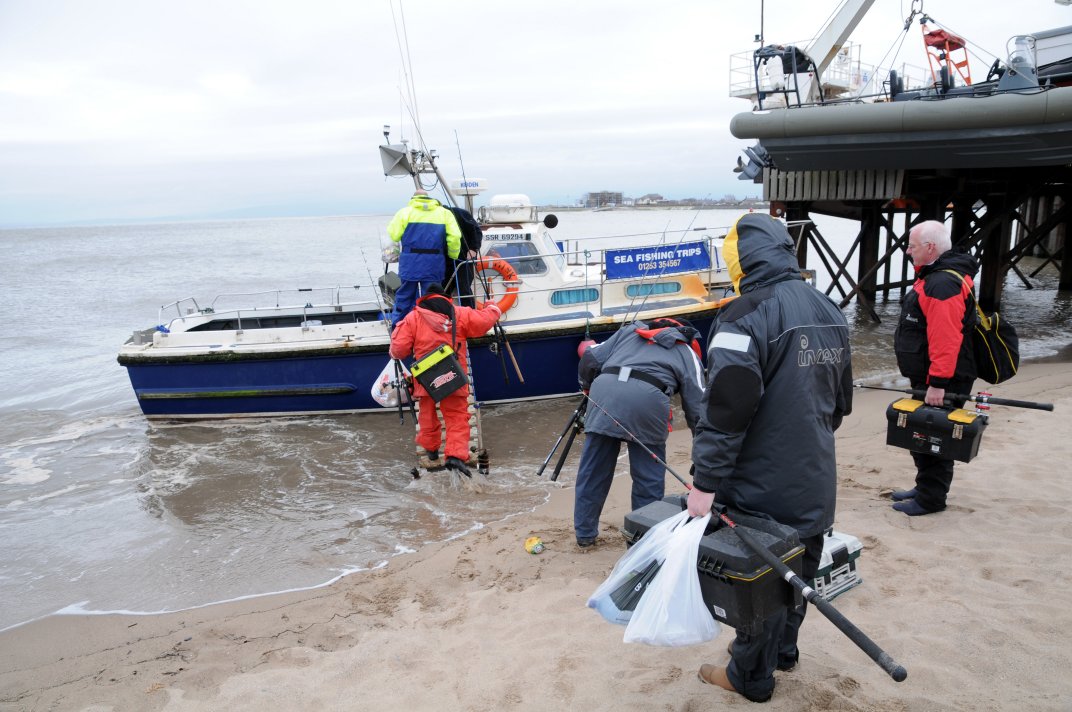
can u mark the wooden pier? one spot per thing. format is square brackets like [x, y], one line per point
[1000, 215]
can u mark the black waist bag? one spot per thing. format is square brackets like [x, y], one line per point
[439, 372]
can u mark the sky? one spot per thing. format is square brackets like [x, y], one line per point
[142, 110]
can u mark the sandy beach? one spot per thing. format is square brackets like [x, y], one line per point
[975, 602]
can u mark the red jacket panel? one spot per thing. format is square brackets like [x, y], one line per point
[423, 331]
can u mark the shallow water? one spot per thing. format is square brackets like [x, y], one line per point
[101, 511]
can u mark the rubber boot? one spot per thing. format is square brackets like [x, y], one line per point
[902, 495]
[454, 463]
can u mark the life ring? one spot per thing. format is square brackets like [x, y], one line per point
[509, 277]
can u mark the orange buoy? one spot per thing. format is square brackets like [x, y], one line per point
[509, 277]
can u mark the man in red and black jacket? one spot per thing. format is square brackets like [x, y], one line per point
[933, 347]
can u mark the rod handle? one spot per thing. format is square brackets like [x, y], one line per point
[1015, 403]
[510, 353]
[881, 657]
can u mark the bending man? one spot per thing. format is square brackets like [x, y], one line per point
[631, 377]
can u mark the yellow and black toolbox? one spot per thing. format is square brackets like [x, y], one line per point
[953, 433]
[738, 588]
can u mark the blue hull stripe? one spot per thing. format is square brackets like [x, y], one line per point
[327, 389]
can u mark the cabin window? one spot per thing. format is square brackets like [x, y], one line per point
[522, 256]
[565, 297]
[653, 288]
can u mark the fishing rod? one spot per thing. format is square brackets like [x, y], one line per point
[400, 381]
[497, 328]
[499, 331]
[981, 398]
[857, 636]
[655, 275]
[411, 107]
[659, 274]
[633, 438]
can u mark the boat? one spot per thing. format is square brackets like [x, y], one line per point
[318, 355]
[808, 119]
[996, 130]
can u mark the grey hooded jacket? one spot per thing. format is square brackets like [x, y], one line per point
[779, 382]
[643, 409]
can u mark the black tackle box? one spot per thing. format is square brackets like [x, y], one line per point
[738, 587]
[952, 433]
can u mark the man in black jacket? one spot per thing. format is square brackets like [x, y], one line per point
[460, 272]
[933, 347]
[779, 381]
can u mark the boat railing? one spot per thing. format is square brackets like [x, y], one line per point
[273, 298]
[182, 308]
[846, 79]
[253, 304]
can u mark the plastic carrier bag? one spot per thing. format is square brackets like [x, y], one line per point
[387, 390]
[672, 612]
[617, 597]
[651, 560]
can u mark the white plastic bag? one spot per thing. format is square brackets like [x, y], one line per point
[386, 390]
[672, 611]
[616, 597]
[391, 252]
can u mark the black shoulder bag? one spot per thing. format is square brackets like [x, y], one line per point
[995, 346]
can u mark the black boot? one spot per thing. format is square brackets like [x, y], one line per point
[454, 463]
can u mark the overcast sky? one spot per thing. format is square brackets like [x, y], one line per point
[146, 109]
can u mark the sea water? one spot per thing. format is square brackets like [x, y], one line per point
[101, 510]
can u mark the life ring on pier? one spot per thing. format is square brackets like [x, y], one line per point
[509, 277]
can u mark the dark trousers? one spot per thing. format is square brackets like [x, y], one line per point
[934, 474]
[460, 275]
[595, 473]
[759, 651]
[406, 297]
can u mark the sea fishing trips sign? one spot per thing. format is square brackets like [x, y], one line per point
[650, 261]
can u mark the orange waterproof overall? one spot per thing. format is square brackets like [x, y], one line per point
[421, 332]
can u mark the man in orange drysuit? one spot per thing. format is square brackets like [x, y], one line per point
[421, 332]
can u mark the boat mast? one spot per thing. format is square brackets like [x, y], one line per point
[399, 160]
[759, 37]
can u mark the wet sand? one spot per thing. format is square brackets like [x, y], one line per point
[975, 602]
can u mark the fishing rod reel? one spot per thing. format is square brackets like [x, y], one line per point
[982, 399]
